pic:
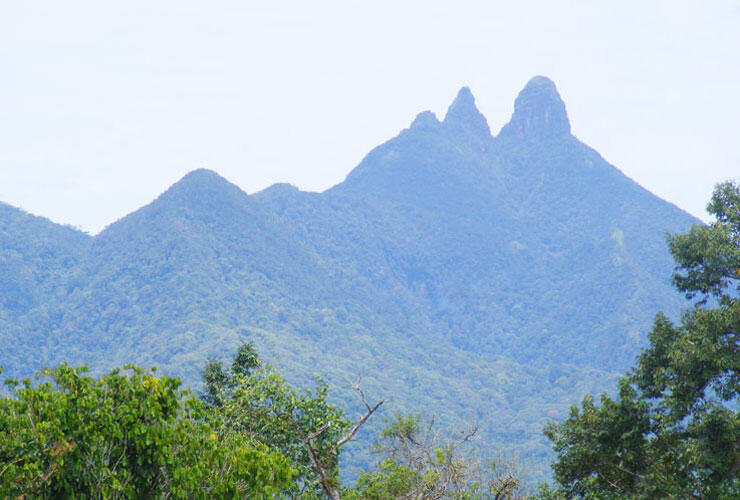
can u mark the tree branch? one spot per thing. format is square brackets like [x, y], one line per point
[357, 426]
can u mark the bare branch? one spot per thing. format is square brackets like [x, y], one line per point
[356, 427]
[358, 387]
[316, 434]
[466, 436]
[326, 482]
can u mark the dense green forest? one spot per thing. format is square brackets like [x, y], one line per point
[133, 434]
[489, 279]
[672, 432]
[674, 429]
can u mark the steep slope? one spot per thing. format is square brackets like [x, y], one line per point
[486, 279]
[166, 284]
[483, 232]
[35, 254]
[534, 267]
[599, 238]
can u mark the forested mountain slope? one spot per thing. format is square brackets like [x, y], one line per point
[35, 255]
[487, 279]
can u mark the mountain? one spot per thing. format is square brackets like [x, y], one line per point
[490, 279]
[35, 255]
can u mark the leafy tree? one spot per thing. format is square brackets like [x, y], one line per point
[251, 401]
[128, 434]
[675, 429]
[417, 464]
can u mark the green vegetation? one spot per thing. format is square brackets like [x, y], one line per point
[674, 432]
[493, 279]
[128, 434]
[254, 402]
[131, 434]
[416, 464]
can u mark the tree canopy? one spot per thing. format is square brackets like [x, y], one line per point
[127, 434]
[132, 434]
[252, 401]
[417, 462]
[674, 431]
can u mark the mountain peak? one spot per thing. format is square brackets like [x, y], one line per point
[538, 112]
[463, 114]
[463, 100]
[201, 175]
[202, 184]
[425, 119]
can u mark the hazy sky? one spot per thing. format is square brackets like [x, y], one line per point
[103, 105]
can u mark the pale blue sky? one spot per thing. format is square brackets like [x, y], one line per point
[103, 105]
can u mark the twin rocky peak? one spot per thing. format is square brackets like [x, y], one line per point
[539, 113]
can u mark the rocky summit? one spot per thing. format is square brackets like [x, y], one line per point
[538, 112]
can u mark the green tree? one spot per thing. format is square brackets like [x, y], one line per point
[417, 464]
[127, 434]
[251, 401]
[675, 429]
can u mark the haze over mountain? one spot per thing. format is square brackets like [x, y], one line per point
[485, 279]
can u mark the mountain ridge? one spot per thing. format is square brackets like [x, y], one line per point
[497, 278]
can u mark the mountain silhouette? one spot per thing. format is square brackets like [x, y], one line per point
[491, 279]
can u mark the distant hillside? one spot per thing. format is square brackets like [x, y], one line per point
[485, 279]
[35, 255]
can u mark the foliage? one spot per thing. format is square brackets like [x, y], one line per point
[251, 401]
[675, 430]
[128, 434]
[417, 464]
